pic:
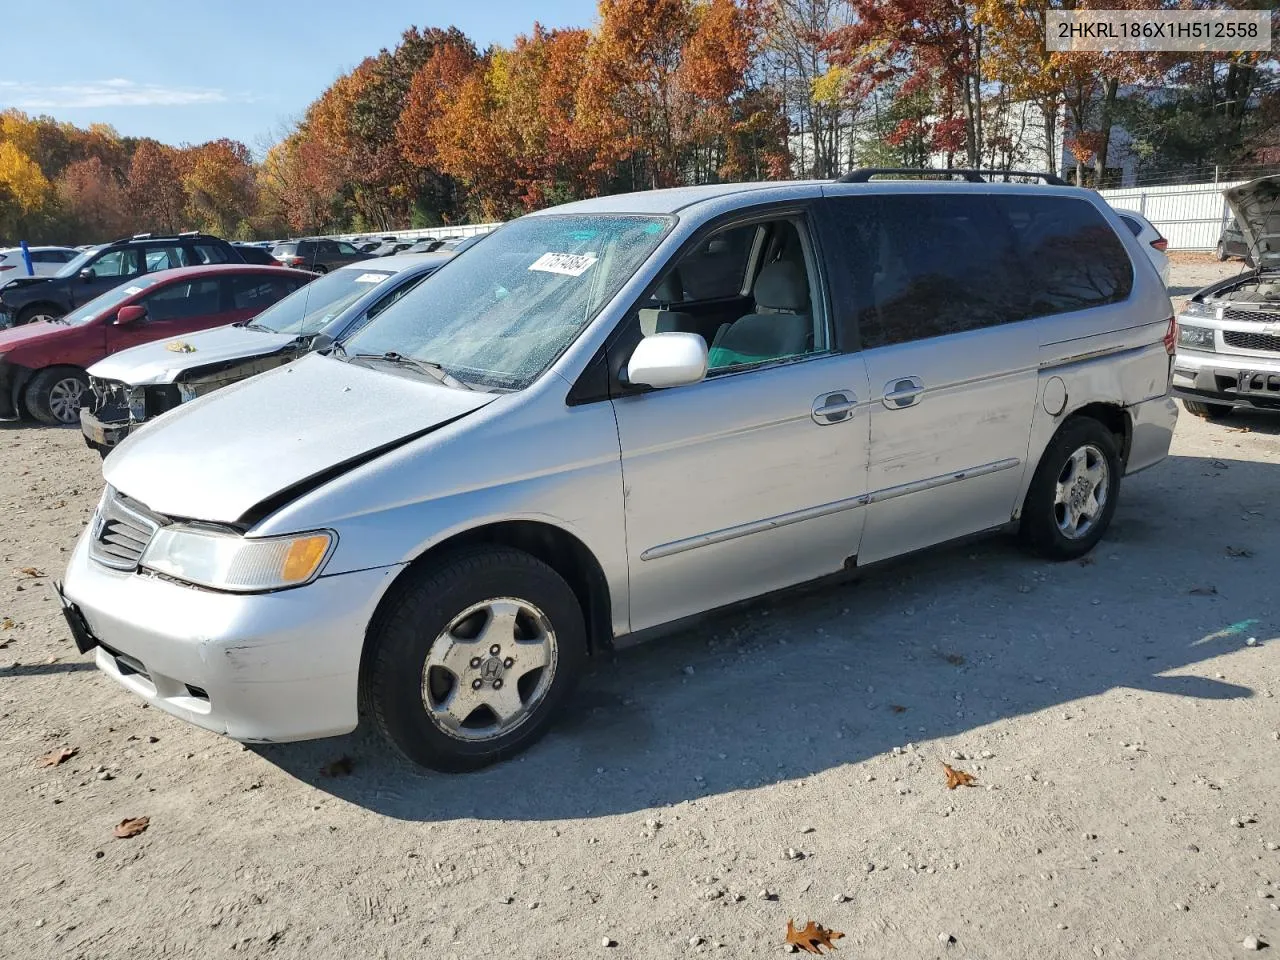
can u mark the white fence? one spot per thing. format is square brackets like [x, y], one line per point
[423, 233]
[1191, 216]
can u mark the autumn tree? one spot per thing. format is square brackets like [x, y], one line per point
[220, 186]
[154, 188]
[23, 189]
[93, 199]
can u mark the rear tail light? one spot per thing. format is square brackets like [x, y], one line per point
[1162, 244]
[1171, 338]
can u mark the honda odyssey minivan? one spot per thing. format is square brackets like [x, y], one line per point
[625, 412]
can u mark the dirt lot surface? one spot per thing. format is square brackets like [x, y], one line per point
[1188, 272]
[780, 762]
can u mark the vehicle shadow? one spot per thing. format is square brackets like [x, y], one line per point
[933, 648]
[38, 669]
[1243, 420]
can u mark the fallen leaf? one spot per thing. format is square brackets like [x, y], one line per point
[61, 755]
[897, 708]
[7, 624]
[1087, 561]
[130, 827]
[957, 778]
[954, 659]
[337, 768]
[1239, 552]
[31, 572]
[1203, 591]
[812, 937]
[1218, 465]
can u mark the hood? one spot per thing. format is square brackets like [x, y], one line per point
[1256, 206]
[156, 363]
[29, 335]
[220, 456]
[23, 282]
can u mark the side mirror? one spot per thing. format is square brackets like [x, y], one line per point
[321, 342]
[87, 274]
[130, 314]
[668, 360]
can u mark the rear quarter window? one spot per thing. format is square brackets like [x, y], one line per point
[1073, 258]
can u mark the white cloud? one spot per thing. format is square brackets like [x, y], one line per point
[115, 92]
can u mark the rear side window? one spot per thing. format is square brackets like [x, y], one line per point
[180, 300]
[210, 253]
[1073, 259]
[166, 258]
[250, 292]
[928, 265]
[1134, 226]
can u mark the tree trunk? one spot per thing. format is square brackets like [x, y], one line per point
[1049, 113]
[1105, 119]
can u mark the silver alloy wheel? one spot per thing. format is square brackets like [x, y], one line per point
[42, 318]
[64, 399]
[489, 669]
[1081, 492]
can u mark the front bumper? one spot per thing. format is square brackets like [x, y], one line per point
[1230, 379]
[260, 667]
[104, 434]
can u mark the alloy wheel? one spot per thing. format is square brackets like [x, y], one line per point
[1081, 492]
[64, 399]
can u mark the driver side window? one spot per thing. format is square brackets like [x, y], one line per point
[124, 262]
[749, 291]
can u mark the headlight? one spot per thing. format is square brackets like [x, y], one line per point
[1197, 338]
[224, 561]
[1195, 310]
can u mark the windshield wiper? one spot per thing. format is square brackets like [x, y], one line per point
[433, 370]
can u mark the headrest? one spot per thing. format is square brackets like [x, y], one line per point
[670, 289]
[782, 285]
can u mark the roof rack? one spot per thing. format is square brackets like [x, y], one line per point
[972, 176]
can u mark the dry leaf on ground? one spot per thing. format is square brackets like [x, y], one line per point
[337, 768]
[7, 623]
[1239, 552]
[955, 659]
[1087, 560]
[131, 827]
[1203, 591]
[31, 572]
[812, 937]
[957, 778]
[897, 708]
[61, 755]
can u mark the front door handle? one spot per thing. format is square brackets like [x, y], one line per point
[834, 407]
[902, 392]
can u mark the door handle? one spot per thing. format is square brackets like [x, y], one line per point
[902, 392]
[833, 407]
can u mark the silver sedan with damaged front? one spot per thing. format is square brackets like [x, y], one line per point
[624, 413]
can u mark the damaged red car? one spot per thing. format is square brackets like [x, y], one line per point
[42, 365]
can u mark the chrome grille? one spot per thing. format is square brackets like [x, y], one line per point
[122, 529]
[1251, 316]
[1250, 341]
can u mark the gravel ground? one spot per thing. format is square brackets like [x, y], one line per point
[1188, 272]
[779, 762]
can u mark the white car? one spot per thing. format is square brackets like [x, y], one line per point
[45, 261]
[1152, 240]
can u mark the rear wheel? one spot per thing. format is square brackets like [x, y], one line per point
[38, 313]
[471, 657]
[1073, 494]
[1208, 411]
[1221, 252]
[319, 268]
[54, 395]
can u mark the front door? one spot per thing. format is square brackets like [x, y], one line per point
[107, 272]
[952, 369]
[173, 310]
[752, 479]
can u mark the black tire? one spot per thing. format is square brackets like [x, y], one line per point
[28, 314]
[414, 618]
[1208, 411]
[48, 394]
[319, 268]
[1221, 252]
[1042, 514]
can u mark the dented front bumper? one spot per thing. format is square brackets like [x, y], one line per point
[260, 667]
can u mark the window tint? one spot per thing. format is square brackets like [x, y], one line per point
[123, 262]
[1072, 258]
[166, 258]
[180, 300]
[928, 265]
[257, 292]
[1134, 226]
[210, 253]
[716, 269]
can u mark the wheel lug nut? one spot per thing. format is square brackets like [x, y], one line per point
[495, 650]
[497, 684]
[475, 662]
[508, 662]
[475, 684]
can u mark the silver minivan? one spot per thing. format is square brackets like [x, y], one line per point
[626, 412]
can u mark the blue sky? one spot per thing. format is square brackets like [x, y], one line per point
[233, 68]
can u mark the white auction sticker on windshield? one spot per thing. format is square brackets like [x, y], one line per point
[568, 264]
[371, 277]
[132, 290]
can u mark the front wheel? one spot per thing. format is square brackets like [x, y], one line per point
[1073, 494]
[38, 313]
[1208, 411]
[54, 395]
[471, 656]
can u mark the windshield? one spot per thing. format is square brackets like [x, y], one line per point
[500, 319]
[109, 300]
[76, 265]
[309, 308]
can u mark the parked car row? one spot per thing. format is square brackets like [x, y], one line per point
[628, 411]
